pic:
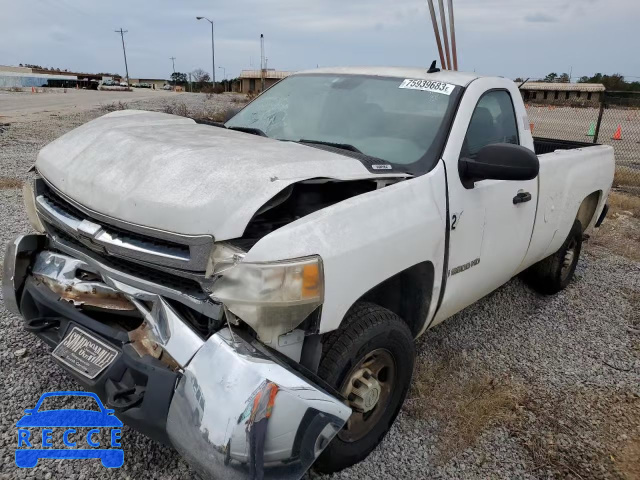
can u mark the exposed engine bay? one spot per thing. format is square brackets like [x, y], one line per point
[299, 200]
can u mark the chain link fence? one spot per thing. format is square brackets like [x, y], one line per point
[614, 120]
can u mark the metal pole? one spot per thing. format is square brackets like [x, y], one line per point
[436, 32]
[173, 62]
[453, 36]
[445, 37]
[213, 57]
[602, 107]
[262, 64]
[126, 68]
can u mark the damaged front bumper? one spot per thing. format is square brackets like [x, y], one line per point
[200, 395]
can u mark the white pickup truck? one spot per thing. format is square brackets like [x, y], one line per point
[249, 292]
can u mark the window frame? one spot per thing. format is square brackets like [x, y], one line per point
[513, 109]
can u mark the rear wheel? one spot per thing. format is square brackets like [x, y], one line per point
[554, 273]
[370, 361]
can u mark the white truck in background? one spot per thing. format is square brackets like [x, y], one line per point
[300, 247]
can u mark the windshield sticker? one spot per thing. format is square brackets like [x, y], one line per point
[382, 167]
[428, 86]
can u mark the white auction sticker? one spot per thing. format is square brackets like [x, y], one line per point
[428, 86]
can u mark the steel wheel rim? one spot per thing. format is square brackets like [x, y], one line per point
[383, 367]
[569, 258]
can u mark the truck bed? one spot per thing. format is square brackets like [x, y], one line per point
[543, 145]
[569, 172]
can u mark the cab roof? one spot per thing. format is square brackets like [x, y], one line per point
[448, 76]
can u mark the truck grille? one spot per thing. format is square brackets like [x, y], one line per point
[115, 238]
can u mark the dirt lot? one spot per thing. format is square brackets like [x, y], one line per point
[570, 123]
[20, 106]
[516, 386]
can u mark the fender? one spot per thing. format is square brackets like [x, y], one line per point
[366, 240]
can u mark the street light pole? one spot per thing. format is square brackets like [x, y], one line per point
[213, 52]
[122, 32]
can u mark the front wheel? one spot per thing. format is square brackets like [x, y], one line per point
[370, 361]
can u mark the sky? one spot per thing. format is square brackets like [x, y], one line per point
[513, 38]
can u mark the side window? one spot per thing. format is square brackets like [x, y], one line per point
[493, 121]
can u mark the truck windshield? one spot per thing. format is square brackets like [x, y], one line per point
[391, 119]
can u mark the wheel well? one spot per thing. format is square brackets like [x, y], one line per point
[407, 294]
[588, 209]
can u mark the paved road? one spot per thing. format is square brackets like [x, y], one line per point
[16, 106]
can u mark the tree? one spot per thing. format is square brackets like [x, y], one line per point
[179, 78]
[519, 80]
[550, 78]
[200, 76]
[564, 78]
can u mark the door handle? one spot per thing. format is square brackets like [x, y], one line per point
[521, 197]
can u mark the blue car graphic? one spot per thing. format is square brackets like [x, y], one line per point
[28, 457]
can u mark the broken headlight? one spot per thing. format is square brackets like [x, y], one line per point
[273, 298]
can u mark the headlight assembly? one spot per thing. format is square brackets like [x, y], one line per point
[273, 298]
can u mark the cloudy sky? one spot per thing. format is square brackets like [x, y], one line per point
[526, 38]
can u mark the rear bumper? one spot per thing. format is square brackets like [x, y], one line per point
[201, 402]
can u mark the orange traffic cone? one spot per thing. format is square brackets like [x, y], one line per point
[618, 134]
[531, 125]
[33, 90]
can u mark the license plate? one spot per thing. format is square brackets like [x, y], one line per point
[84, 353]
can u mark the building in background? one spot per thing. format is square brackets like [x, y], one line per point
[586, 94]
[251, 80]
[154, 83]
[24, 77]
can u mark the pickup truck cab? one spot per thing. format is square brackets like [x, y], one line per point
[293, 253]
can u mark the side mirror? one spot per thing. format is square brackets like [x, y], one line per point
[499, 161]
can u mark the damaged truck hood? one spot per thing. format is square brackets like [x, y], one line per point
[170, 173]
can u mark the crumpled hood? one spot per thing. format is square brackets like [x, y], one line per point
[167, 172]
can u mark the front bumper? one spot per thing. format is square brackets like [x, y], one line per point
[201, 402]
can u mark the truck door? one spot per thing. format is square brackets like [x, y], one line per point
[489, 233]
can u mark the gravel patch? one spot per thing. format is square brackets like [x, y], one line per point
[516, 386]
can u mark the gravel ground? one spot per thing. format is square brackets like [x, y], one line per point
[516, 386]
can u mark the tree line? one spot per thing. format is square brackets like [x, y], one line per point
[200, 81]
[614, 81]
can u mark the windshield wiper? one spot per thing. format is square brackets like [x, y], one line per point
[252, 130]
[341, 146]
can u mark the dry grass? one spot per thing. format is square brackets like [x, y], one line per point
[620, 203]
[629, 462]
[626, 176]
[620, 232]
[114, 106]
[7, 183]
[464, 408]
[583, 433]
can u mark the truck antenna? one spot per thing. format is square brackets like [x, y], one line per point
[433, 68]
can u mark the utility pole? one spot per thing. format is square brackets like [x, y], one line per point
[262, 63]
[173, 63]
[126, 68]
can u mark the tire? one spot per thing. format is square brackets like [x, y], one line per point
[555, 272]
[368, 332]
